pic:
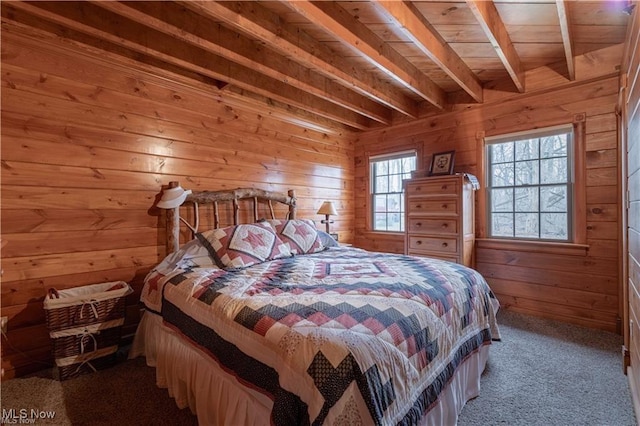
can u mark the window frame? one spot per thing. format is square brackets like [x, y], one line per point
[568, 183]
[372, 160]
[578, 217]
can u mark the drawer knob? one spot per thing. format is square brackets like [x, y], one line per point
[445, 225]
[418, 188]
[418, 224]
[418, 206]
[419, 242]
[444, 186]
[444, 206]
[444, 244]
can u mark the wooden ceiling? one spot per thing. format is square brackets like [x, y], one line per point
[356, 65]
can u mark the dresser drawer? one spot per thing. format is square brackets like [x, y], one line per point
[431, 226]
[438, 256]
[447, 245]
[446, 187]
[433, 207]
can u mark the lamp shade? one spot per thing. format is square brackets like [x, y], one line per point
[327, 208]
[173, 197]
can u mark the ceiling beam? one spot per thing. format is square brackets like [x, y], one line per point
[567, 39]
[199, 31]
[255, 20]
[34, 37]
[489, 18]
[86, 19]
[431, 44]
[338, 22]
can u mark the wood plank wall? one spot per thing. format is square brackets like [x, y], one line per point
[631, 112]
[87, 142]
[581, 287]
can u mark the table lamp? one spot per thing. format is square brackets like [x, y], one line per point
[327, 209]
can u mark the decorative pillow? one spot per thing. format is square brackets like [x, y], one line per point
[244, 245]
[326, 239]
[301, 235]
[191, 255]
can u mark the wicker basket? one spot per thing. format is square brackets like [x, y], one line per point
[85, 325]
[74, 341]
[89, 304]
[89, 362]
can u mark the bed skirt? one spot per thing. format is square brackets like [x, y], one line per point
[214, 395]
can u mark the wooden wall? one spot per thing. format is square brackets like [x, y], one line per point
[89, 138]
[631, 116]
[577, 285]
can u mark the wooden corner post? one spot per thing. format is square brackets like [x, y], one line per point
[173, 225]
[292, 206]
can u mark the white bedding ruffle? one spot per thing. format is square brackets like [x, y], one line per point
[196, 381]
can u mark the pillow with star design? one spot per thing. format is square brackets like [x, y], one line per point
[301, 235]
[240, 246]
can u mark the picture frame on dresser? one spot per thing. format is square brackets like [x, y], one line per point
[442, 163]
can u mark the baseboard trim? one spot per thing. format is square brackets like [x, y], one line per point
[635, 397]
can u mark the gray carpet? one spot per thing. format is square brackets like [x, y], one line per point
[550, 373]
[542, 373]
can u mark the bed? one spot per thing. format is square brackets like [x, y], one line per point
[272, 322]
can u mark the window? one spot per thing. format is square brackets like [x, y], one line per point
[387, 173]
[529, 185]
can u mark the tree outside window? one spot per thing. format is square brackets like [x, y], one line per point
[529, 185]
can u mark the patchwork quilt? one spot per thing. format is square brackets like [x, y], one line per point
[342, 335]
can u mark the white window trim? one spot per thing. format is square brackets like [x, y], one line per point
[371, 184]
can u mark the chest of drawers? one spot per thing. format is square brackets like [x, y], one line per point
[439, 218]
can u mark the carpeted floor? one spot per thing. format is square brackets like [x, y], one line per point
[542, 373]
[545, 372]
[125, 394]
